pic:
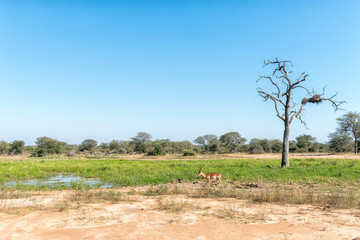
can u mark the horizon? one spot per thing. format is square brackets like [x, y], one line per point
[177, 70]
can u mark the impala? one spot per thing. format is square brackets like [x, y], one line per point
[208, 176]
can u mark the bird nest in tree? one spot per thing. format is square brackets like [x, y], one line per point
[314, 99]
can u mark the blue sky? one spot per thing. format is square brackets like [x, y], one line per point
[106, 70]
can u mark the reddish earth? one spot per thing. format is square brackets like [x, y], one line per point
[41, 216]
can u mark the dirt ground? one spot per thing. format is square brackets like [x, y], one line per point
[41, 216]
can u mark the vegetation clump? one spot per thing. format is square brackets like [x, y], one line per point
[189, 152]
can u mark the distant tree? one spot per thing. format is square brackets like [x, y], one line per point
[189, 152]
[282, 96]
[88, 145]
[319, 147]
[276, 145]
[47, 145]
[120, 147]
[16, 147]
[350, 123]
[126, 147]
[214, 146]
[180, 147]
[71, 149]
[232, 141]
[305, 142]
[140, 142]
[292, 146]
[32, 149]
[156, 148]
[4, 147]
[160, 147]
[340, 141]
[115, 146]
[255, 146]
[206, 141]
[142, 137]
[104, 148]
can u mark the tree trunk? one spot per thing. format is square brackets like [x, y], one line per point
[285, 151]
[356, 145]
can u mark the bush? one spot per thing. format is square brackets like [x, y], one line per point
[189, 152]
[257, 150]
[157, 150]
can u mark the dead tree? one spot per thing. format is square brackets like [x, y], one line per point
[282, 96]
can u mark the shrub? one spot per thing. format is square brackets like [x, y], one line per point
[157, 150]
[189, 152]
[257, 150]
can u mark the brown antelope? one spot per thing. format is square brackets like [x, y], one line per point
[208, 176]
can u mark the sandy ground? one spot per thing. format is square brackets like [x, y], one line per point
[170, 217]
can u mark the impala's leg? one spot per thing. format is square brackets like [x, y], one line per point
[220, 180]
[208, 181]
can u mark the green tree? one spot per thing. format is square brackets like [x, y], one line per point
[142, 137]
[4, 147]
[141, 141]
[115, 146]
[340, 141]
[232, 141]
[104, 148]
[126, 147]
[255, 146]
[180, 147]
[305, 142]
[206, 141]
[156, 148]
[46, 146]
[276, 145]
[16, 147]
[292, 146]
[350, 123]
[88, 145]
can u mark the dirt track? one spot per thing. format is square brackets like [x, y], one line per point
[171, 217]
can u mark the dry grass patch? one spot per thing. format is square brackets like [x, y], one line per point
[172, 205]
[348, 199]
[13, 195]
[88, 196]
[218, 192]
[236, 213]
[73, 200]
[333, 196]
[164, 190]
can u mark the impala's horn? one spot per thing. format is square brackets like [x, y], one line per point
[200, 169]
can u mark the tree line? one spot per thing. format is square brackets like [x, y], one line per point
[344, 139]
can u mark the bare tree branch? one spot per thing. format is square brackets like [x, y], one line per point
[316, 98]
[283, 95]
[302, 121]
[268, 96]
[270, 79]
[297, 114]
[335, 104]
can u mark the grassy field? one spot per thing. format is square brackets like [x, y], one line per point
[321, 182]
[335, 172]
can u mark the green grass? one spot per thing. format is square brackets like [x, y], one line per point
[133, 173]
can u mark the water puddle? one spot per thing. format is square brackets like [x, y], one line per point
[61, 181]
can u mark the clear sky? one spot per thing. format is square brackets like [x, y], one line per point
[106, 70]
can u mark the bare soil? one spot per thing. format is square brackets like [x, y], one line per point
[42, 215]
